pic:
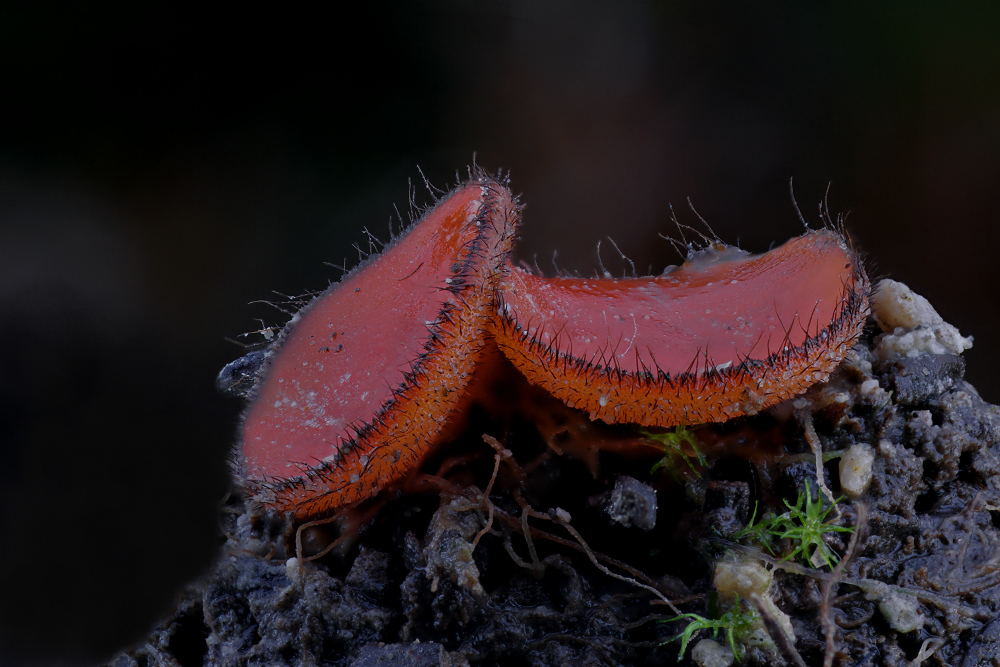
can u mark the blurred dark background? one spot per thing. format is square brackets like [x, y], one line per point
[163, 165]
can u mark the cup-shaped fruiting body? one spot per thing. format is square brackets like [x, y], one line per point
[363, 380]
[724, 335]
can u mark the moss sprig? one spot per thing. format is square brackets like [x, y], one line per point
[673, 444]
[803, 525]
[736, 623]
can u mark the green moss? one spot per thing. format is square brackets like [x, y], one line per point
[673, 444]
[736, 623]
[803, 525]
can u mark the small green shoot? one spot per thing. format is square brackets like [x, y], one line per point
[737, 623]
[804, 525]
[673, 445]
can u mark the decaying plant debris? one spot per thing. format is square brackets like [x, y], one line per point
[513, 555]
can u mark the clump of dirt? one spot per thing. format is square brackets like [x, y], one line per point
[514, 555]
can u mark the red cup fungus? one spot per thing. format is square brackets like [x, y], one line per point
[362, 381]
[725, 334]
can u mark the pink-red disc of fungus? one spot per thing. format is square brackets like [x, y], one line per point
[363, 380]
[723, 335]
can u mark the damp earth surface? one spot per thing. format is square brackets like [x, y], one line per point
[579, 554]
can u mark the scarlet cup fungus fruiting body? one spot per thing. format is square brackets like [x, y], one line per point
[363, 381]
[724, 335]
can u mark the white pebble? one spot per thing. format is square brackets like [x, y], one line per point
[856, 469]
[895, 306]
[709, 653]
[911, 324]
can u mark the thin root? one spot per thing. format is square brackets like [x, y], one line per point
[502, 453]
[775, 631]
[805, 419]
[562, 517]
[831, 583]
